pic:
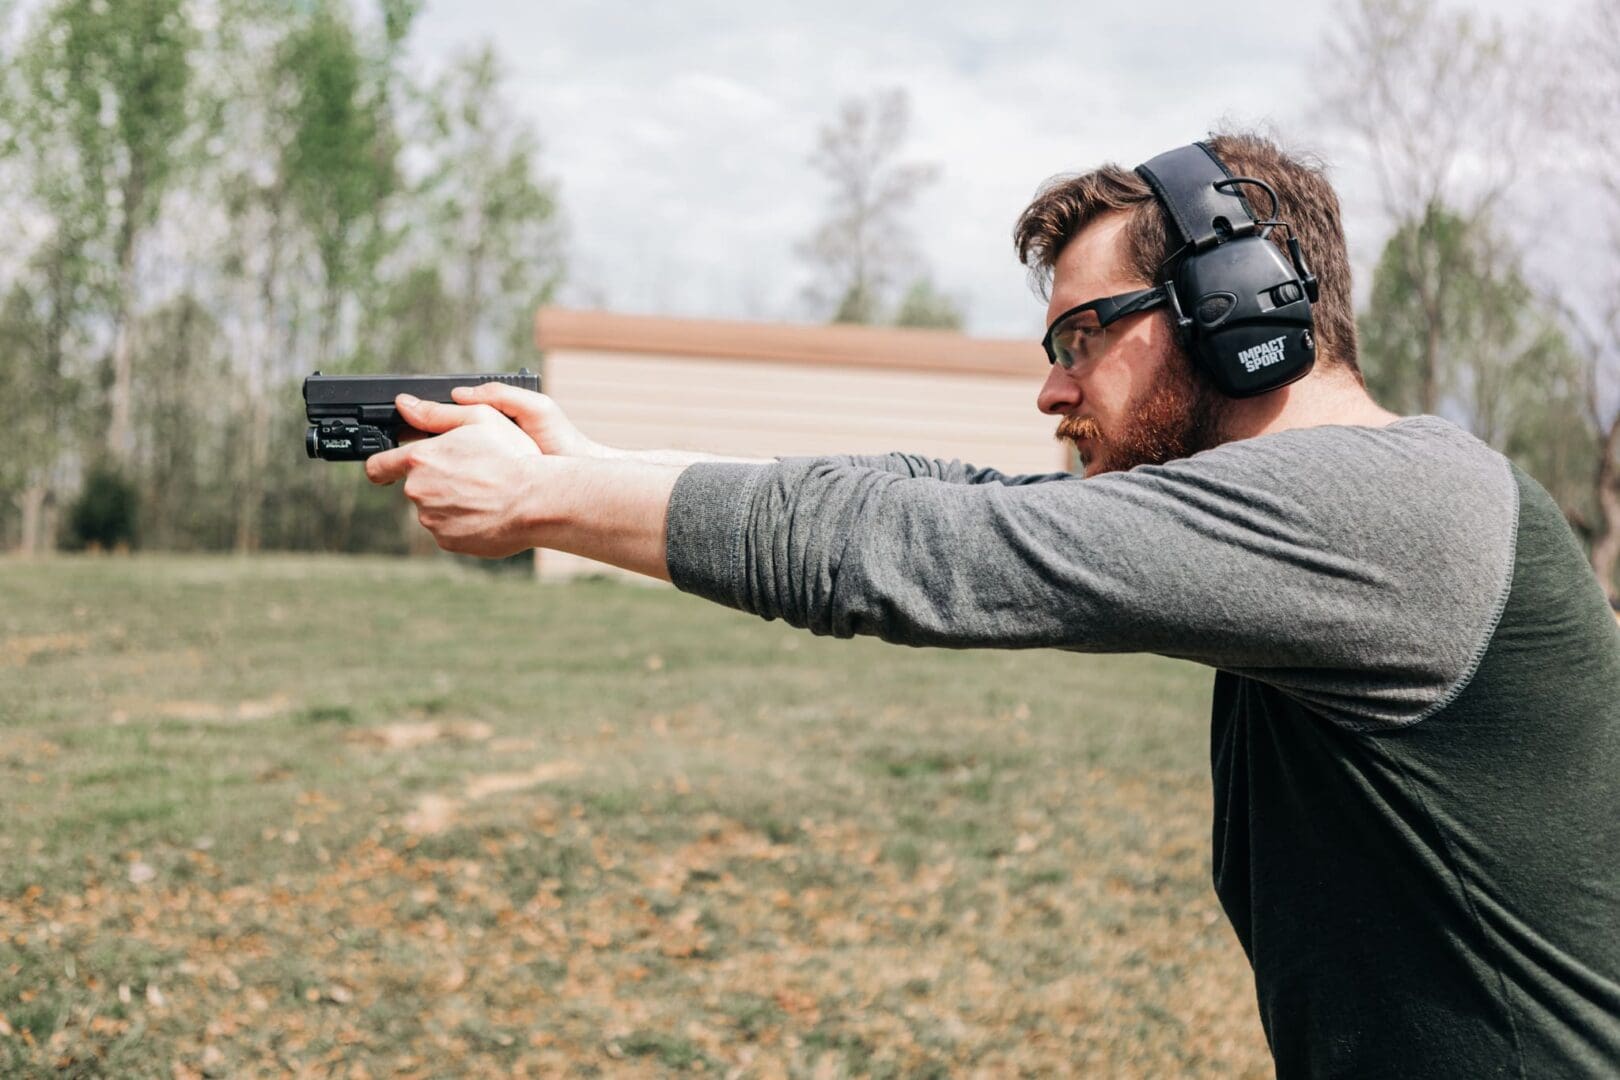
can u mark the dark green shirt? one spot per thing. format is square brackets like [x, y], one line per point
[1441, 898]
[1416, 726]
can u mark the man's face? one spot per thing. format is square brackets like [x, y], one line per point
[1141, 402]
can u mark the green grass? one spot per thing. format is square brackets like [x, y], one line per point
[414, 817]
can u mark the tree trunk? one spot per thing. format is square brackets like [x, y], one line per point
[251, 495]
[251, 503]
[1429, 400]
[1606, 548]
[120, 427]
[120, 430]
[472, 308]
[1429, 296]
[32, 503]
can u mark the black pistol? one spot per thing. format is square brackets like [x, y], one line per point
[352, 417]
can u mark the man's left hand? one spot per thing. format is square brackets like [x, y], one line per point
[474, 484]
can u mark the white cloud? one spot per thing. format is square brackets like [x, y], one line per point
[680, 133]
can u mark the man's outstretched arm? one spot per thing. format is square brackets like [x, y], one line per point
[1214, 558]
[547, 424]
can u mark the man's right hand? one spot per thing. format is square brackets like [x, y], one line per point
[541, 418]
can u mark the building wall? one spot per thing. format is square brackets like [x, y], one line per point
[976, 404]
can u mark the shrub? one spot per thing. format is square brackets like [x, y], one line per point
[104, 513]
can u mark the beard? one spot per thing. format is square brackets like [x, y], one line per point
[1178, 416]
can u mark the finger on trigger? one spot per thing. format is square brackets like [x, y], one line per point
[388, 466]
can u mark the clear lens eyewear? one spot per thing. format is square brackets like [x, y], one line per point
[1078, 338]
[1077, 341]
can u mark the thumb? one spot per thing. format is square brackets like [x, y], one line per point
[528, 408]
[436, 417]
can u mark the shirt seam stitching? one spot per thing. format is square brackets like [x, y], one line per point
[1491, 627]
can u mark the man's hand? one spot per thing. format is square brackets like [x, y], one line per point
[474, 485]
[483, 487]
[557, 437]
[539, 416]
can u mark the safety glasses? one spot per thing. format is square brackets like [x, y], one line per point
[1078, 337]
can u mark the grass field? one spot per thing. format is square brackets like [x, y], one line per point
[328, 817]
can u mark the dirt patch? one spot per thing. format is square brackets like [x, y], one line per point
[22, 649]
[481, 787]
[215, 712]
[434, 813]
[409, 735]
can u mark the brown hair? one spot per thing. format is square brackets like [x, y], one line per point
[1067, 204]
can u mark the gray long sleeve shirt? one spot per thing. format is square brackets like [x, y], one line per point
[1416, 724]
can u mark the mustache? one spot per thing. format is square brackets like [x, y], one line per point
[1074, 428]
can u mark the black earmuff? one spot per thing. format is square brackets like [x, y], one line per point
[1239, 309]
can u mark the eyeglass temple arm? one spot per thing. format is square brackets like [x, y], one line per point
[1149, 298]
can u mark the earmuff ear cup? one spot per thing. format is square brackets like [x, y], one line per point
[1250, 323]
[1240, 310]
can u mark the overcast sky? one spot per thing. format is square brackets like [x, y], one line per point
[679, 133]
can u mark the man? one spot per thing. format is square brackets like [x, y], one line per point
[1416, 719]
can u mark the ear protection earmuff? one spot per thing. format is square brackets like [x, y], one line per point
[1238, 307]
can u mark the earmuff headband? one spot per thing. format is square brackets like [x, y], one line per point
[1202, 215]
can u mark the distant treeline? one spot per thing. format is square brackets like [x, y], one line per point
[213, 200]
[205, 200]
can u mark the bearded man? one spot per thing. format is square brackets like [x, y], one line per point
[1416, 715]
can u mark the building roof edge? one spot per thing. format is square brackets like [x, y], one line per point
[839, 345]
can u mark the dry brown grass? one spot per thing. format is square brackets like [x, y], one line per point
[472, 829]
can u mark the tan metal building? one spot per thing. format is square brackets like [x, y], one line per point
[775, 389]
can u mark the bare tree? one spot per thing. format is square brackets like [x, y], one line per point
[117, 79]
[1440, 104]
[494, 241]
[1594, 52]
[201, 201]
[864, 248]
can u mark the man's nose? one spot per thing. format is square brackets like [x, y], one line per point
[1059, 394]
